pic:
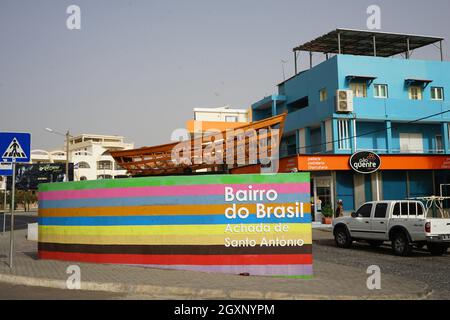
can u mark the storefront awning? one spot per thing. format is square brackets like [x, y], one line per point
[316, 163]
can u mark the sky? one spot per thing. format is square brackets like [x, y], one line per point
[137, 68]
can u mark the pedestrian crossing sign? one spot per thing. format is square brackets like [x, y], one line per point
[14, 150]
[15, 146]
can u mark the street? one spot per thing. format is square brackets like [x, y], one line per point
[421, 266]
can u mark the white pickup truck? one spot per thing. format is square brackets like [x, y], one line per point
[405, 223]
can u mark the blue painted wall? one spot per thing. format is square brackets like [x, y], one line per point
[371, 136]
[345, 190]
[394, 185]
[393, 72]
[371, 113]
[420, 183]
[309, 83]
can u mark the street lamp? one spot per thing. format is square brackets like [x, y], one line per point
[67, 135]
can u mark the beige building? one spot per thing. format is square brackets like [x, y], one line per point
[90, 155]
[222, 114]
[221, 118]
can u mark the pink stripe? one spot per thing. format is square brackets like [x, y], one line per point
[253, 270]
[161, 191]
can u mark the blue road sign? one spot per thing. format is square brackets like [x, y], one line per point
[15, 145]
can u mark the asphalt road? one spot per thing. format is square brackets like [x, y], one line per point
[421, 266]
[21, 220]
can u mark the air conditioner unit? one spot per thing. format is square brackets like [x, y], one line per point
[344, 101]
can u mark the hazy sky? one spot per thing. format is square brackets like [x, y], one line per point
[138, 68]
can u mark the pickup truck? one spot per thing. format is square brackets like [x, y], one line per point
[405, 223]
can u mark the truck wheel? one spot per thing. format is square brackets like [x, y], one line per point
[401, 245]
[437, 249]
[375, 243]
[342, 238]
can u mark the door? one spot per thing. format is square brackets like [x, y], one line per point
[360, 226]
[380, 221]
[322, 193]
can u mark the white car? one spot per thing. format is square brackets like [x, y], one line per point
[404, 223]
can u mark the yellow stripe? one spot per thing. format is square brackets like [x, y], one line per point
[152, 210]
[167, 240]
[192, 234]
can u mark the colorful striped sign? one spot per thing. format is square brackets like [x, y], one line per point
[182, 222]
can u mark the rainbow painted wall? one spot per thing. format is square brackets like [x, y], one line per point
[179, 222]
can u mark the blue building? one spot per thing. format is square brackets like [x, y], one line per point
[396, 107]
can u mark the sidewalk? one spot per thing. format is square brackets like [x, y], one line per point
[348, 283]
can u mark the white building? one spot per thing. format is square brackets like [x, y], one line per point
[222, 114]
[90, 155]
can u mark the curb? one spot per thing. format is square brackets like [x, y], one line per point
[207, 294]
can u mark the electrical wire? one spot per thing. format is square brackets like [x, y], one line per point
[373, 131]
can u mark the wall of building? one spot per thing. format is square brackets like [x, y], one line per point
[394, 72]
[309, 83]
[394, 185]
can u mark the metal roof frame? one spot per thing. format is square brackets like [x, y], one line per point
[366, 43]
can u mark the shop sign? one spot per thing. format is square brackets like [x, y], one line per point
[365, 162]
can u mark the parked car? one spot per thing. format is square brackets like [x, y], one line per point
[404, 223]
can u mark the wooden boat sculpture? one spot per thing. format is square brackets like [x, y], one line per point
[216, 151]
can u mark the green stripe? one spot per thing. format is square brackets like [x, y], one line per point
[304, 277]
[177, 180]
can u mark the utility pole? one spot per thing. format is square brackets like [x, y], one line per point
[67, 155]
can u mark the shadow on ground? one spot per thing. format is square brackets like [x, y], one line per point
[21, 221]
[363, 246]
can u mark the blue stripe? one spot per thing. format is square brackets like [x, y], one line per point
[163, 220]
[149, 201]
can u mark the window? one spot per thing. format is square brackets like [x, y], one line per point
[298, 104]
[439, 144]
[343, 135]
[231, 119]
[419, 210]
[404, 208]
[323, 95]
[104, 165]
[411, 143]
[380, 210]
[381, 91]
[437, 93]
[359, 89]
[415, 93]
[396, 209]
[412, 208]
[104, 176]
[83, 165]
[364, 211]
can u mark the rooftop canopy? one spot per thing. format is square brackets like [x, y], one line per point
[358, 42]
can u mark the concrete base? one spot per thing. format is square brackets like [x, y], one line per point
[32, 234]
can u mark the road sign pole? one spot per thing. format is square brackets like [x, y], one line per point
[11, 233]
[4, 207]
